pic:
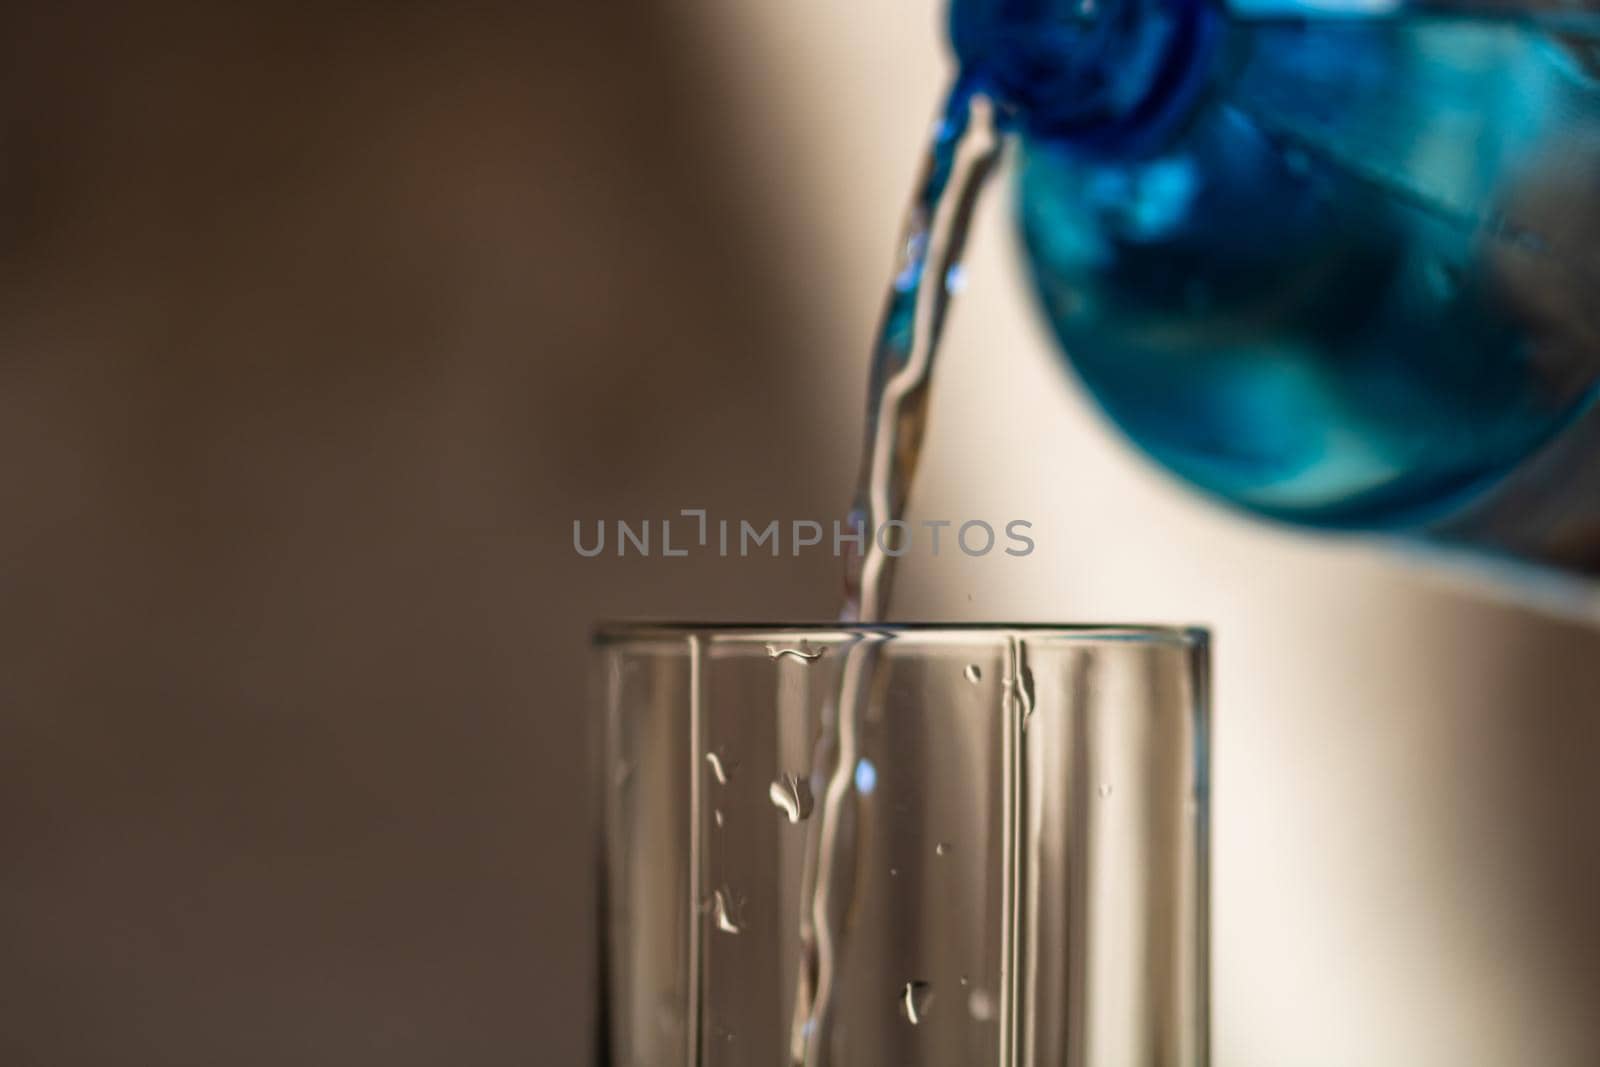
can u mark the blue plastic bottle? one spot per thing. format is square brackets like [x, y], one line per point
[1337, 263]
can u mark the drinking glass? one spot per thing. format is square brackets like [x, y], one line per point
[902, 845]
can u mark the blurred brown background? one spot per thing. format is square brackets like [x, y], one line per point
[318, 329]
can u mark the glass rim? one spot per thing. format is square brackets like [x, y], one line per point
[625, 630]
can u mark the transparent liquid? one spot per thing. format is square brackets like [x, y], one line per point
[964, 149]
[962, 155]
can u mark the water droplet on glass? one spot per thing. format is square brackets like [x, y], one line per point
[803, 652]
[973, 673]
[1105, 789]
[963, 981]
[716, 817]
[792, 796]
[722, 910]
[718, 768]
[914, 1000]
[866, 776]
[941, 849]
[980, 1004]
[894, 872]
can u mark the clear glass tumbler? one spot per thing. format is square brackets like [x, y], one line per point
[903, 846]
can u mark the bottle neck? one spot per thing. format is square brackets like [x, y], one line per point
[1102, 76]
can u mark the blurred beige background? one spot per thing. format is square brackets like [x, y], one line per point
[317, 331]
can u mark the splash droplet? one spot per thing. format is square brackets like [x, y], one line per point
[914, 1000]
[866, 776]
[716, 817]
[980, 1005]
[803, 652]
[722, 910]
[792, 796]
[718, 768]
[1019, 692]
[973, 673]
[1105, 789]
[941, 849]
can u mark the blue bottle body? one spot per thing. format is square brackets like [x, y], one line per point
[1350, 275]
